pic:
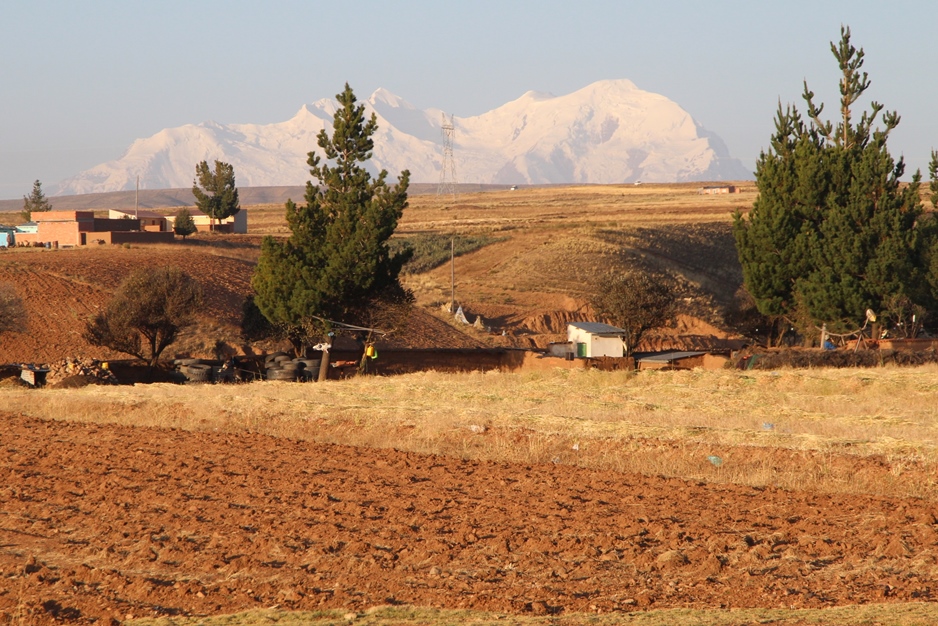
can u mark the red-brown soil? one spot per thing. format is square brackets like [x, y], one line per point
[60, 289]
[102, 522]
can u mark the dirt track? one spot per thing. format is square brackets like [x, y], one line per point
[105, 522]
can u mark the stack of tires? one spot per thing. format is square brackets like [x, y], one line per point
[274, 367]
[194, 370]
[281, 366]
[310, 369]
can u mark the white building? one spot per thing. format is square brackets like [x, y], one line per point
[594, 339]
[237, 223]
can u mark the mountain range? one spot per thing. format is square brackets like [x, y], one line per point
[607, 132]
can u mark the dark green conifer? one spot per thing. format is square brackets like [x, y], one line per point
[833, 233]
[35, 201]
[336, 265]
[215, 192]
[184, 225]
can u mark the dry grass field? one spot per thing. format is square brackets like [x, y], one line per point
[555, 496]
[831, 430]
[723, 497]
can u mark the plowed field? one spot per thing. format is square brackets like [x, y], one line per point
[60, 289]
[101, 522]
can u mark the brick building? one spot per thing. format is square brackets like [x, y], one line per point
[79, 228]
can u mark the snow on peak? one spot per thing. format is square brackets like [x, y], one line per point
[537, 96]
[383, 97]
[607, 132]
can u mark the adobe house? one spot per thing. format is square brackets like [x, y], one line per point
[79, 228]
[595, 339]
[67, 228]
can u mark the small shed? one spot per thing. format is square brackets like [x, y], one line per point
[33, 375]
[595, 339]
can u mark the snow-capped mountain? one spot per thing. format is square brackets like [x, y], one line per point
[608, 132]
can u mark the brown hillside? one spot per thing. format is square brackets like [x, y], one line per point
[552, 244]
[556, 242]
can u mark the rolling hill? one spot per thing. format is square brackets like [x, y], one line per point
[546, 248]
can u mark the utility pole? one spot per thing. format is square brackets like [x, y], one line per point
[452, 274]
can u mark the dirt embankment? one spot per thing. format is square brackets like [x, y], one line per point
[102, 522]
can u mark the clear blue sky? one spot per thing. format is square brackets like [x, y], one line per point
[79, 81]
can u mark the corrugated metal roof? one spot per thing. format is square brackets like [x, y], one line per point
[667, 357]
[598, 328]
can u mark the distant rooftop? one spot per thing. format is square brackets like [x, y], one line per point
[139, 213]
[598, 328]
[668, 357]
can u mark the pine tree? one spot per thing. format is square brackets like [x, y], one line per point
[790, 190]
[833, 233]
[35, 201]
[184, 225]
[336, 266]
[930, 260]
[215, 192]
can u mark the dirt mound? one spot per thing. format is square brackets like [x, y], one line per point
[690, 333]
[62, 288]
[422, 330]
[102, 522]
[76, 381]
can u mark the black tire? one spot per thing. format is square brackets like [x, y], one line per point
[199, 373]
[278, 373]
[283, 358]
[311, 363]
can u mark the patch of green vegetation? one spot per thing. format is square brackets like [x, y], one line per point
[900, 614]
[433, 250]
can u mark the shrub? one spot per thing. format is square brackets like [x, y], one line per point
[146, 313]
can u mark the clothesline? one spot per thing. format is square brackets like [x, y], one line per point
[350, 326]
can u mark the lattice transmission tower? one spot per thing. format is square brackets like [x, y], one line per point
[448, 171]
